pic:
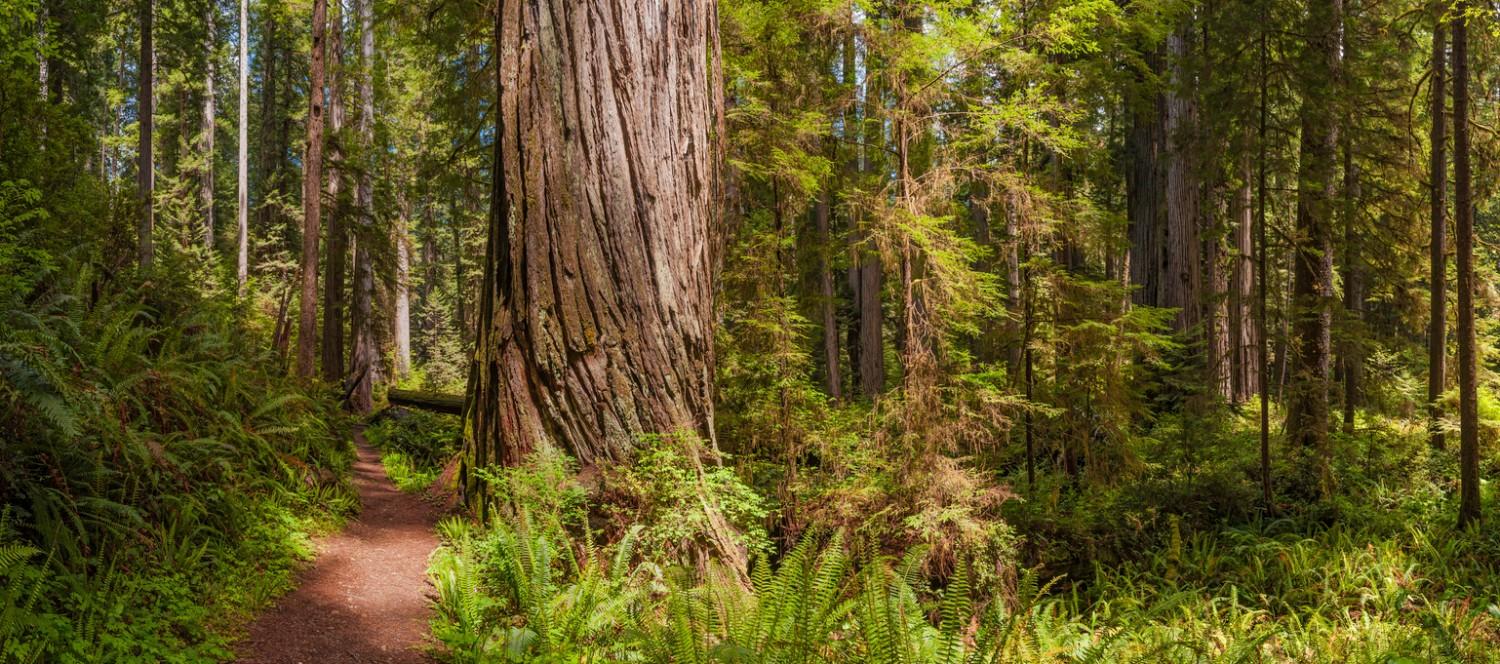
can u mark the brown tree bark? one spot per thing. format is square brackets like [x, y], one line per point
[364, 362]
[1244, 374]
[145, 113]
[336, 260]
[312, 198]
[1463, 217]
[1145, 193]
[1437, 284]
[827, 303]
[1351, 359]
[1307, 397]
[1182, 279]
[596, 316]
[206, 191]
[242, 259]
[402, 310]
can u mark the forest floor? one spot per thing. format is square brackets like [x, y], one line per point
[365, 599]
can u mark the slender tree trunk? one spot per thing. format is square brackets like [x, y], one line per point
[1354, 303]
[403, 290]
[364, 365]
[1181, 278]
[146, 111]
[596, 322]
[242, 261]
[1145, 194]
[828, 303]
[338, 237]
[1437, 284]
[312, 198]
[1463, 217]
[1262, 253]
[211, 21]
[1243, 369]
[1307, 405]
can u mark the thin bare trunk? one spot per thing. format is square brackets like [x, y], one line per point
[1463, 217]
[312, 199]
[242, 261]
[145, 112]
[364, 364]
[1437, 284]
[211, 21]
[1312, 311]
[338, 242]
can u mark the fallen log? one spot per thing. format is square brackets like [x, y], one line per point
[452, 404]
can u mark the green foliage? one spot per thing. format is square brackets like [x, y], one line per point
[674, 495]
[157, 479]
[415, 445]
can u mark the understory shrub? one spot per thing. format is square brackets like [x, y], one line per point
[414, 445]
[159, 479]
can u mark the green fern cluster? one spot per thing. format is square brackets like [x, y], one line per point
[509, 593]
[147, 460]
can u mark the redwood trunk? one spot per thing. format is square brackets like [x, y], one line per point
[338, 238]
[1463, 217]
[364, 364]
[1312, 294]
[145, 111]
[596, 318]
[312, 199]
[1437, 329]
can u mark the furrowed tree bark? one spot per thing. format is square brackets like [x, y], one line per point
[1262, 252]
[828, 304]
[364, 363]
[242, 261]
[1437, 283]
[312, 199]
[1354, 304]
[402, 313]
[1182, 280]
[1312, 310]
[1463, 217]
[338, 237]
[145, 112]
[1145, 195]
[596, 317]
[206, 193]
[1244, 374]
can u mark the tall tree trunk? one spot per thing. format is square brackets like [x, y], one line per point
[242, 261]
[364, 364]
[1262, 254]
[1354, 302]
[828, 303]
[338, 237]
[1243, 343]
[1145, 194]
[1463, 217]
[312, 198]
[871, 276]
[1181, 277]
[211, 20]
[596, 322]
[1437, 284]
[402, 312]
[1307, 400]
[145, 111]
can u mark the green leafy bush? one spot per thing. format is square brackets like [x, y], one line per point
[414, 445]
[159, 478]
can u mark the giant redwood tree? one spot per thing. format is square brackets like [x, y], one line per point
[596, 310]
[1312, 297]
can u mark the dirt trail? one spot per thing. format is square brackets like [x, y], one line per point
[365, 598]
